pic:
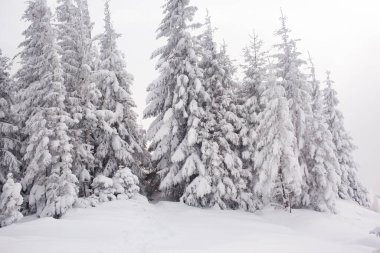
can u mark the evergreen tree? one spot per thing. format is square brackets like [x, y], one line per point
[279, 177]
[320, 183]
[77, 56]
[296, 87]
[175, 100]
[222, 180]
[349, 186]
[9, 143]
[125, 183]
[103, 188]
[47, 147]
[10, 202]
[255, 68]
[118, 139]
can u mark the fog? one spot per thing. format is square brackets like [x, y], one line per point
[342, 36]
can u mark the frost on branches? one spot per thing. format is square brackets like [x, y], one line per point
[118, 140]
[9, 131]
[47, 149]
[174, 100]
[349, 186]
[10, 202]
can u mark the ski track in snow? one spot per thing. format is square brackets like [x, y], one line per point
[135, 226]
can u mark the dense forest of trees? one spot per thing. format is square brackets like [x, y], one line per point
[69, 135]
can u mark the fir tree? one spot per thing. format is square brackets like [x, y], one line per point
[349, 186]
[221, 181]
[255, 68]
[296, 87]
[279, 177]
[118, 140]
[320, 183]
[175, 100]
[9, 143]
[10, 202]
[103, 188]
[125, 183]
[82, 94]
[47, 147]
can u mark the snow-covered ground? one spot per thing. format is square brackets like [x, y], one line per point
[137, 226]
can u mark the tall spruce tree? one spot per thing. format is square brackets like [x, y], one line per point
[297, 90]
[278, 175]
[174, 100]
[320, 182]
[255, 71]
[77, 56]
[9, 131]
[118, 140]
[47, 147]
[349, 186]
[222, 180]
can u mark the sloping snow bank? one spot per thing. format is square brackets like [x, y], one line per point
[136, 226]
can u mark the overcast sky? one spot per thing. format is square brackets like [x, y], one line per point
[342, 35]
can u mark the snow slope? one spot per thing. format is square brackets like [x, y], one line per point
[137, 226]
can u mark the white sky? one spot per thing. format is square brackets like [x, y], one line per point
[342, 35]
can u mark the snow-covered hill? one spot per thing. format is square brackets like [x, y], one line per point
[137, 226]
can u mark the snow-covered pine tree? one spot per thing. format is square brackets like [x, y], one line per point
[255, 68]
[10, 202]
[349, 186]
[321, 180]
[125, 183]
[297, 89]
[103, 188]
[174, 100]
[77, 57]
[9, 143]
[118, 139]
[47, 147]
[222, 180]
[279, 177]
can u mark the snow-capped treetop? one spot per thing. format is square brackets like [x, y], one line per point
[255, 64]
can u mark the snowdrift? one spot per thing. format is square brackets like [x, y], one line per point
[129, 226]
